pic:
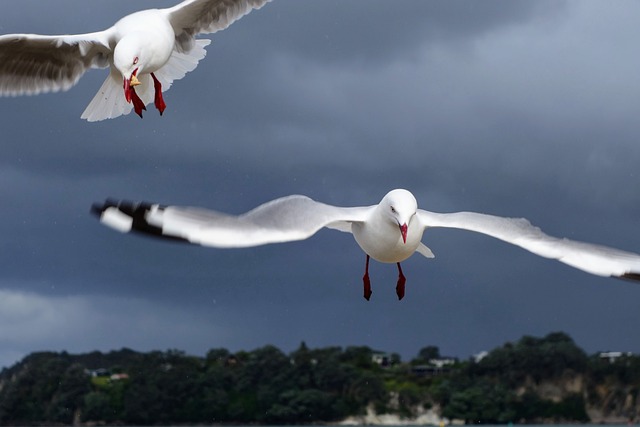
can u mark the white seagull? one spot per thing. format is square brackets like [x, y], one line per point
[389, 232]
[147, 49]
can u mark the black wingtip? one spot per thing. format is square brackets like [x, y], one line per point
[98, 208]
[138, 213]
[635, 277]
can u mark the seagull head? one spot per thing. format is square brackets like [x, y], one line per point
[399, 206]
[127, 59]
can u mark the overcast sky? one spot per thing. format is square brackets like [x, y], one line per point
[514, 108]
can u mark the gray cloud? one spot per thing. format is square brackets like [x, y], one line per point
[511, 108]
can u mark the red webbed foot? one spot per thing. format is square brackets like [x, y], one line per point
[138, 105]
[366, 281]
[367, 287]
[401, 281]
[158, 99]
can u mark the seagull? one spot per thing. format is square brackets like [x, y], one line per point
[144, 51]
[389, 232]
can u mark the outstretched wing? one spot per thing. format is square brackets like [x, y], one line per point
[281, 220]
[594, 259]
[32, 63]
[193, 17]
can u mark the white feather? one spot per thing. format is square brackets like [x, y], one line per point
[158, 41]
[376, 229]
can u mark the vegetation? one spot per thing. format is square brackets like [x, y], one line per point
[532, 380]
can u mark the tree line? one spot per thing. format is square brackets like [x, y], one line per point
[267, 386]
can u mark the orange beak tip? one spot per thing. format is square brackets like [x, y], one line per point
[134, 81]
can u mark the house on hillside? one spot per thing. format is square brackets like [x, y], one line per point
[100, 372]
[381, 358]
[119, 377]
[435, 366]
[441, 362]
[613, 356]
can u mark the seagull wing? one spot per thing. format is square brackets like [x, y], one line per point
[32, 64]
[281, 220]
[594, 259]
[193, 17]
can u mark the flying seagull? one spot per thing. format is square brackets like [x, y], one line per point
[145, 52]
[389, 232]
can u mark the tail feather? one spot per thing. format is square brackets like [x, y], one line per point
[180, 64]
[109, 102]
[145, 90]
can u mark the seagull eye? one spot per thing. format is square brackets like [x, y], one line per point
[393, 209]
[135, 60]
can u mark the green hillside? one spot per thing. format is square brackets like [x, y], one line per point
[546, 379]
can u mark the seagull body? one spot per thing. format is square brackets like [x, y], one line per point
[144, 51]
[389, 232]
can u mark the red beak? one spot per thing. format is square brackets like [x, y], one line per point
[403, 231]
[128, 88]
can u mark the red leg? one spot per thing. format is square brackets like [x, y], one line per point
[367, 282]
[138, 105]
[159, 101]
[401, 281]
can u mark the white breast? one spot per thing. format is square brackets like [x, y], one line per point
[383, 242]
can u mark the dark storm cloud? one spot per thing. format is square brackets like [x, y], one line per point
[507, 107]
[378, 30]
